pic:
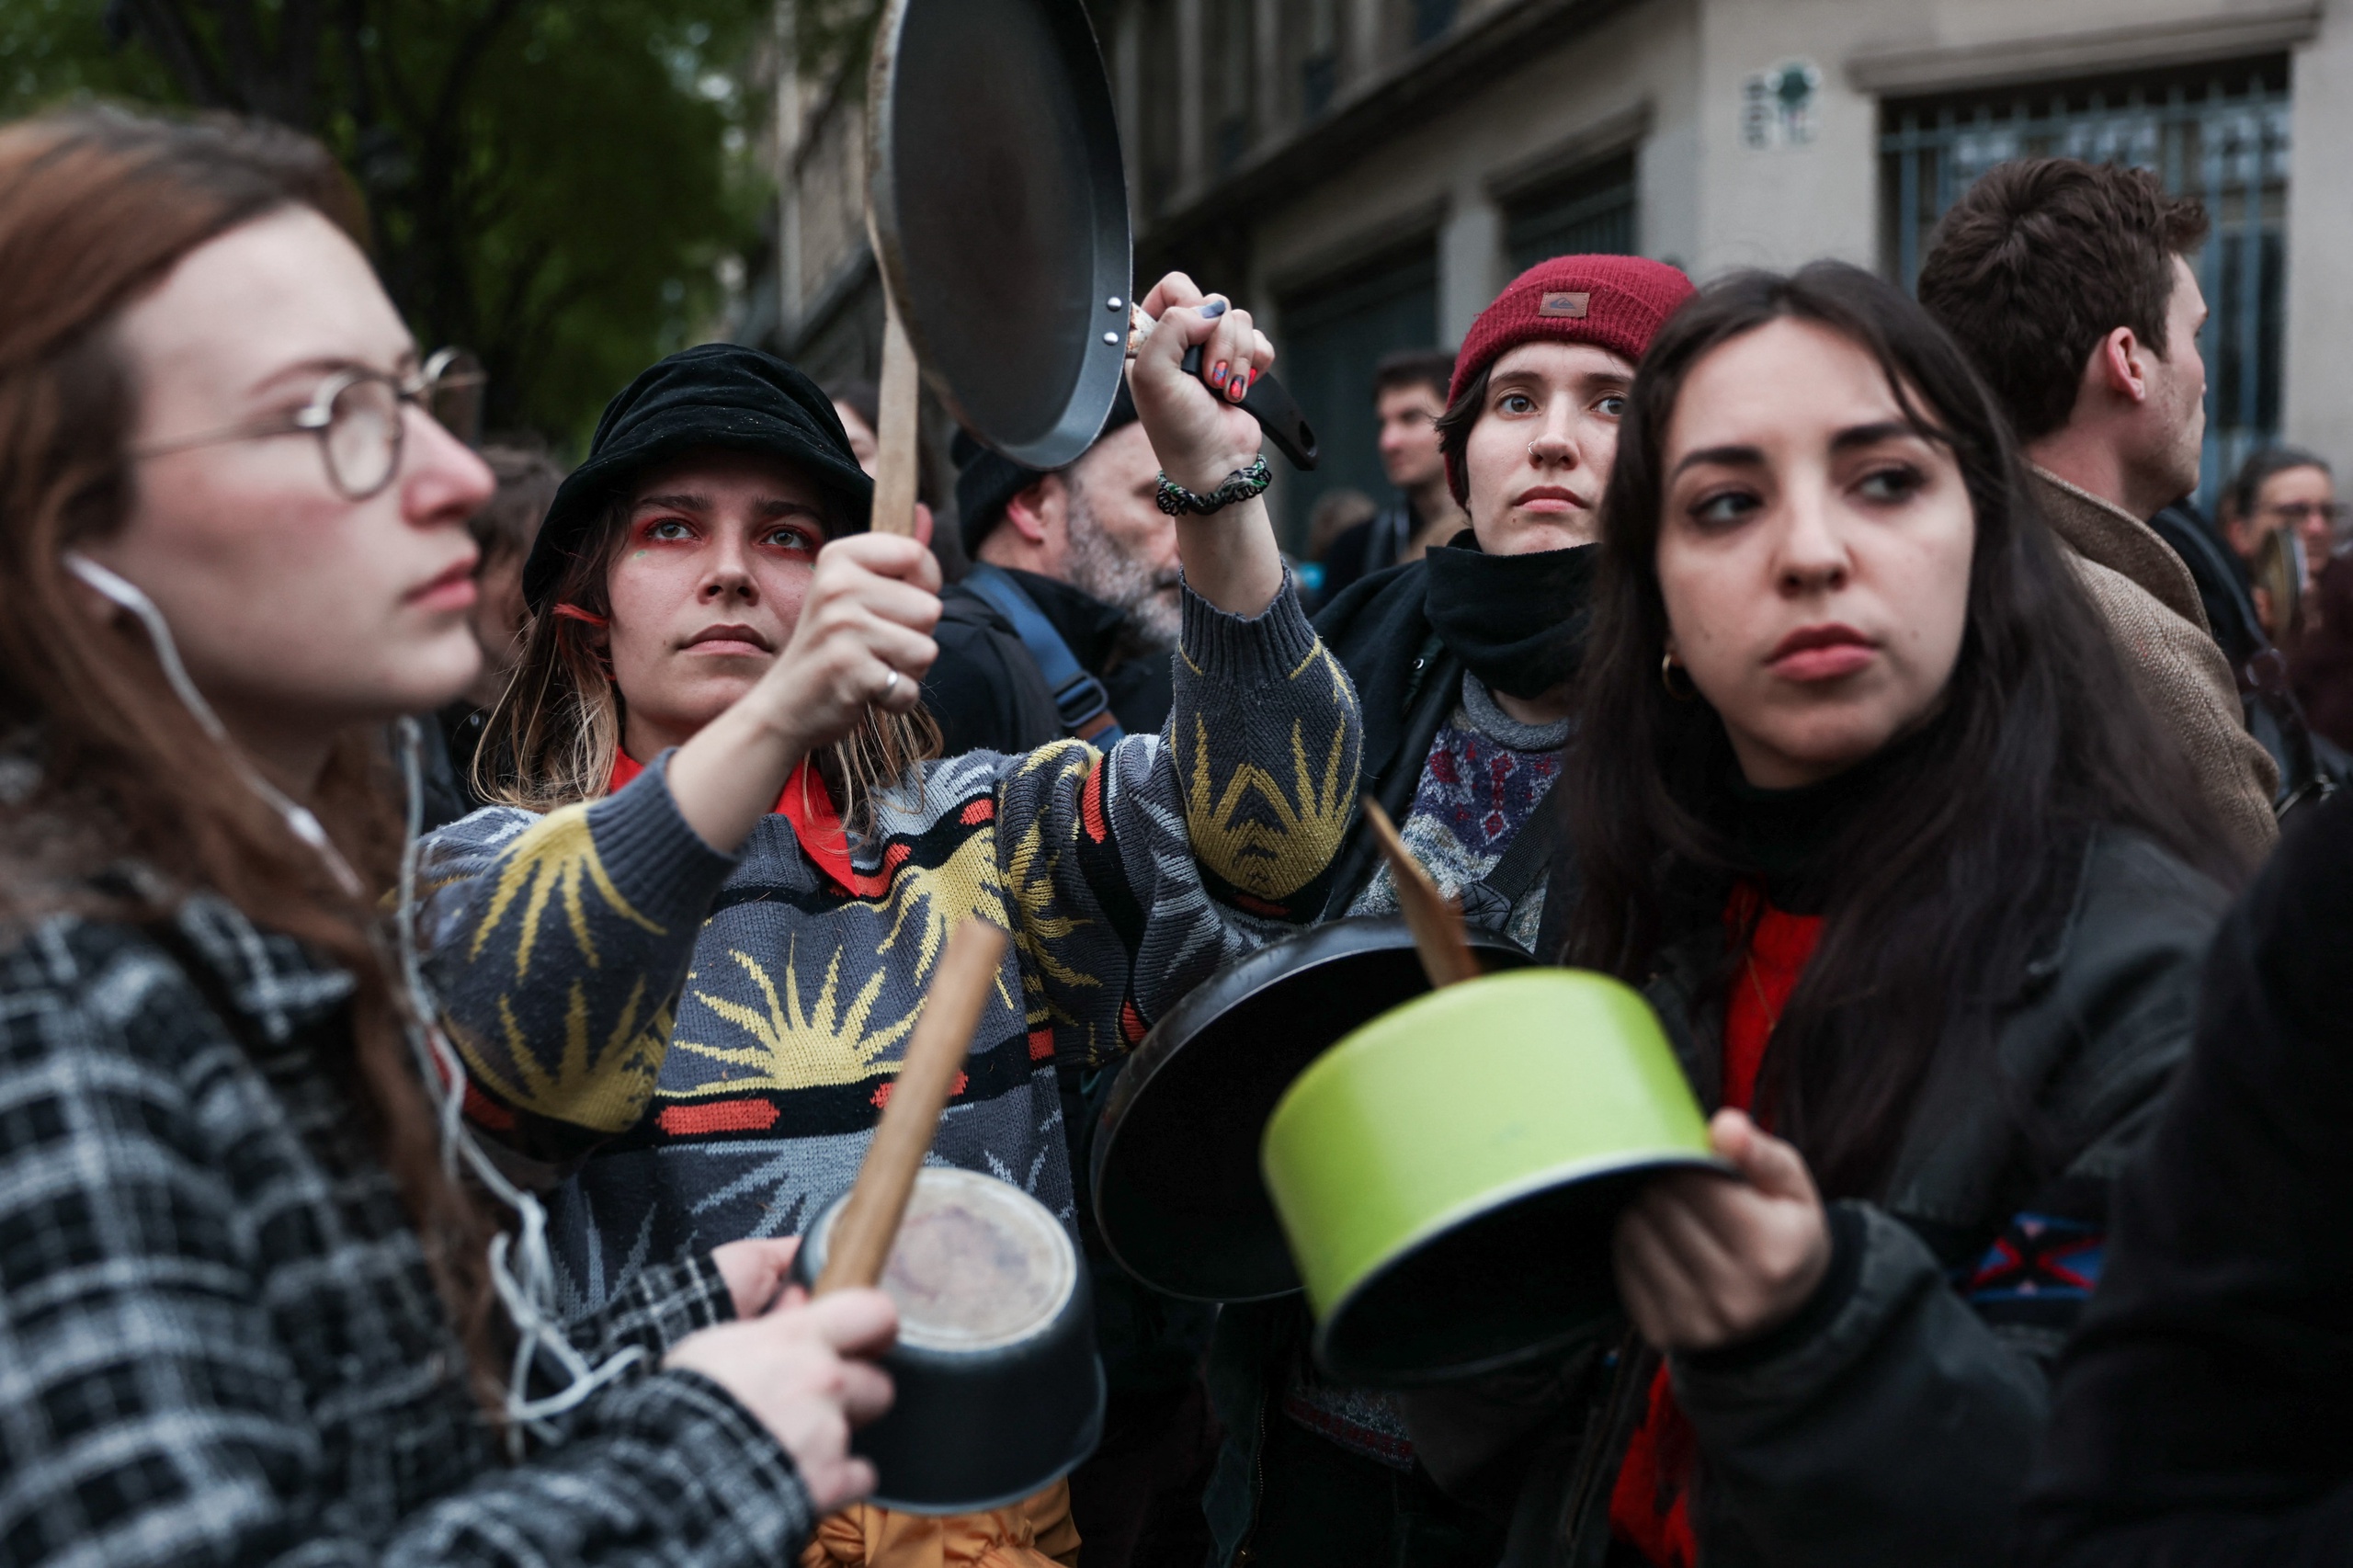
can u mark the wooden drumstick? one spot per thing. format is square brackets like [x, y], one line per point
[1435, 919]
[869, 1222]
[896, 457]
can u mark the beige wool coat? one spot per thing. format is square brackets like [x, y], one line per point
[2149, 602]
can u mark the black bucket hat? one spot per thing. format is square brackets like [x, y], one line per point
[719, 394]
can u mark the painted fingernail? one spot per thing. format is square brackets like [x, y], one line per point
[1213, 310]
[1217, 374]
[1235, 388]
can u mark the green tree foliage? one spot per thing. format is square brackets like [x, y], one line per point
[553, 183]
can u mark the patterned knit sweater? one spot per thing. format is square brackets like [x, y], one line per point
[1485, 775]
[721, 1031]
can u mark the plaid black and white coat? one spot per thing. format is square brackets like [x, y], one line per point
[219, 1343]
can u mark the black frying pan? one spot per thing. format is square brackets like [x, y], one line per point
[998, 206]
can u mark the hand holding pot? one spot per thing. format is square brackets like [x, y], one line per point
[800, 1370]
[755, 1271]
[1196, 429]
[1704, 1263]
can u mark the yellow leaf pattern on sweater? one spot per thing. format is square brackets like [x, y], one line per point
[552, 860]
[797, 1045]
[1258, 835]
[929, 902]
[606, 1087]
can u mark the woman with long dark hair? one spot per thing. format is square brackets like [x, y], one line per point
[253, 1307]
[1867, 804]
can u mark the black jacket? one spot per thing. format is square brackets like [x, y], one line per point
[2202, 1411]
[1372, 546]
[1407, 682]
[986, 690]
[1893, 1418]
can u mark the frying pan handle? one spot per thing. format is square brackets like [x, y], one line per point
[1278, 415]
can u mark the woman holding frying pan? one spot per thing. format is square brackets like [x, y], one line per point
[1920, 893]
[249, 1310]
[683, 963]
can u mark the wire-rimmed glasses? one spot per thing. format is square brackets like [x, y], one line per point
[355, 418]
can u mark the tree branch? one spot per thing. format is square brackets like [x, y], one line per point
[173, 37]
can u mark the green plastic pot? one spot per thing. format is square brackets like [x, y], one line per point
[1449, 1174]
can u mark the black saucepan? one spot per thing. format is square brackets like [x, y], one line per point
[1178, 1196]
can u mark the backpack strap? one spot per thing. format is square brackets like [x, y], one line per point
[1525, 861]
[1084, 706]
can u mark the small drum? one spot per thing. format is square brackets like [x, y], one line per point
[999, 1390]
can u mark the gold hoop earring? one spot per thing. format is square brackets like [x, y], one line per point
[1666, 678]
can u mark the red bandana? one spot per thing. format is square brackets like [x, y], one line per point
[809, 806]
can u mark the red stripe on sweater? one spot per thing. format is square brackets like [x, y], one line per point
[716, 1116]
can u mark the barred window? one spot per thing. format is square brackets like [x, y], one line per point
[2219, 132]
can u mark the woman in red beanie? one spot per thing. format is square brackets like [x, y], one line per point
[1462, 662]
[1462, 659]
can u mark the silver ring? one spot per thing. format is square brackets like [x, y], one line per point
[888, 688]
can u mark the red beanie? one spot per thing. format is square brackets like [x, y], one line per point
[1617, 302]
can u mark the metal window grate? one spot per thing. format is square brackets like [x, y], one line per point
[1591, 214]
[2219, 133]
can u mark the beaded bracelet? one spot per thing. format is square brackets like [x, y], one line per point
[1240, 485]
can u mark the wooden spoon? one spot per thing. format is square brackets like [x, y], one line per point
[868, 1222]
[1435, 919]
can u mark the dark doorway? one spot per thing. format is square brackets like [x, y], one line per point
[1331, 334]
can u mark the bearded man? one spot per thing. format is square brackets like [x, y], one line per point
[1079, 565]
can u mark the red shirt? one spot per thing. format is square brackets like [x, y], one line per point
[809, 805]
[1650, 1508]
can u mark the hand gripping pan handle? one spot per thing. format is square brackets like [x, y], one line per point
[1270, 405]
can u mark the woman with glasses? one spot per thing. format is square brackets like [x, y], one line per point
[251, 1308]
[2282, 518]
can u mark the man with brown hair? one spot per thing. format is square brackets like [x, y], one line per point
[1408, 394]
[2069, 286]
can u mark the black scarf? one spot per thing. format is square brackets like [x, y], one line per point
[1791, 838]
[1519, 622]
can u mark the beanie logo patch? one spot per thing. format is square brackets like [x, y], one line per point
[1566, 304]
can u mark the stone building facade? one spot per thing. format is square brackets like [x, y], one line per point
[1363, 175]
